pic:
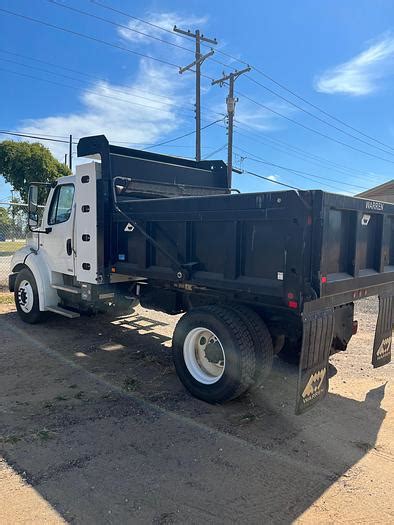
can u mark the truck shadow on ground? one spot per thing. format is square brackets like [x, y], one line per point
[94, 418]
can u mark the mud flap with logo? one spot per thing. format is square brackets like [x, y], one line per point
[381, 354]
[317, 337]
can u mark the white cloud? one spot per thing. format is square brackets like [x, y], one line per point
[164, 20]
[273, 177]
[112, 110]
[360, 75]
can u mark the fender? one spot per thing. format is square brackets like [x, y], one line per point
[36, 263]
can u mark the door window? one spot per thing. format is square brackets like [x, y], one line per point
[61, 204]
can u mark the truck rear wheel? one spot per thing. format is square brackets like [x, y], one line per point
[26, 297]
[262, 342]
[213, 354]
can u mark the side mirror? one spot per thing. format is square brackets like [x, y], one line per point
[33, 208]
[38, 194]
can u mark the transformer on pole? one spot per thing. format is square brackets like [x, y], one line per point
[231, 101]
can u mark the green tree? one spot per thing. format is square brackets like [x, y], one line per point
[23, 162]
[4, 218]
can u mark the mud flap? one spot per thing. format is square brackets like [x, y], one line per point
[318, 328]
[381, 354]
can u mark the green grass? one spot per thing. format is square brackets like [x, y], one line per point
[12, 439]
[6, 298]
[10, 247]
[45, 434]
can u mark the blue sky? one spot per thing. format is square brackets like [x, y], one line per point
[337, 55]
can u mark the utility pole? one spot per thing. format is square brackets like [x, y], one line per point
[13, 215]
[70, 153]
[65, 159]
[199, 59]
[231, 101]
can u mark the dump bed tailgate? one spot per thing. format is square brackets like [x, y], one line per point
[352, 256]
[357, 245]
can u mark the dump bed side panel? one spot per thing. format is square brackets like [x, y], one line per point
[251, 242]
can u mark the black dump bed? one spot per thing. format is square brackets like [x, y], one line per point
[300, 259]
[285, 248]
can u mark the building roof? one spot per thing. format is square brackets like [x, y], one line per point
[387, 187]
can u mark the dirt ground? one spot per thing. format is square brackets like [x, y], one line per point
[96, 428]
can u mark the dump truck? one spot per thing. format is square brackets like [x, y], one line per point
[254, 274]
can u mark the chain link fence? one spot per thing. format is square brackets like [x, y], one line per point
[13, 235]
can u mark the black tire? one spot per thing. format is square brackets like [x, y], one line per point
[239, 368]
[34, 315]
[262, 342]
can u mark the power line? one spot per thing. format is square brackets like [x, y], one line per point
[218, 150]
[45, 138]
[270, 180]
[318, 108]
[88, 37]
[260, 72]
[316, 117]
[152, 146]
[183, 136]
[116, 24]
[171, 104]
[324, 135]
[46, 135]
[164, 101]
[86, 90]
[97, 79]
[109, 8]
[303, 174]
[310, 176]
[175, 65]
[133, 90]
[114, 142]
[128, 15]
[35, 137]
[299, 153]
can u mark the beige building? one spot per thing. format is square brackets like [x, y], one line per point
[384, 192]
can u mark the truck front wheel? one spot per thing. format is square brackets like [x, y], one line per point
[26, 297]
[213, 354]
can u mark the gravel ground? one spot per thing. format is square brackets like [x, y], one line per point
[96, 428]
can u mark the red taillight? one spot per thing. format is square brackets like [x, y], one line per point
[324, 279]
[292, 304]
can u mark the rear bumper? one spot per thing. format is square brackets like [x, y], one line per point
[349, 296]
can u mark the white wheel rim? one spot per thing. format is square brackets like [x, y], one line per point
[204, 355]
[25, 296]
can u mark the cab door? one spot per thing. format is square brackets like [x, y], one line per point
[58, 243]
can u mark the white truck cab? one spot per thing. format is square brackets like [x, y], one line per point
[61, 253]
